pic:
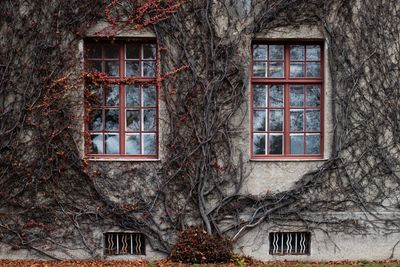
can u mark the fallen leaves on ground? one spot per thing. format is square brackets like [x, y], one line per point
[168, 263]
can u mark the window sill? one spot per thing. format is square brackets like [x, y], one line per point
[125, 159]
[287, 159]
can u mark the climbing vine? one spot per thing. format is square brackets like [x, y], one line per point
[54, 201]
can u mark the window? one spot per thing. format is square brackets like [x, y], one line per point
[286, 100]
[297, 243]
[122, 110]
[124, 244]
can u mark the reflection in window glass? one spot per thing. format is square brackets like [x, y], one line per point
[149, 51]
[96, 144]
[260, 95]
[132, 144]
[112, 119]
[149, 95]
[260, 69]
[112, 68]
[259, 144]
[132, 68]
[112, 143]
[275, 120]
[96, 120]
[276, 96]
[313, 144]
[276, 52]
[296, 69]
[313, 95]
[259, 120]
[149, 68]
[132, 97]
[313, 120]
[296, 95]
[112, 95]
[313, 52]
[276, 69]
[149, 144]
[313, 69]
[260, 52]
[296, 52]
[275, 144]
[133, 120]
[149, 119]
[296, 144]
[296, 120]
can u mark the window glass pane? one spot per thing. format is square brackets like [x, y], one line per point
[275, 144]
[296, 120]
[149, 95]
[296, 144]
[132, 144]
[276, 95]
[149, 119]
[132, 95]
[259, 120]
[96, 144]
[112, 119]
[313, 69]
[133, 120]
[96, 120]
[259, 144]
[276, 69]
[312, 144]
[112, 143]
[296, 95]
[276, 52]
[260, 69]
[275, 120]
[111, 50]
[313, 52]
[260, 95]
[112, 68]
[95, 66]
[313, 95]
[112, 95]
[149, 51]
[94, 50]
[260, 52]
[149, 68]
[149, 144]
[296, 69]
[296, 52]
[95, 97]
[132, 68]
[313, 120]
[133, 51]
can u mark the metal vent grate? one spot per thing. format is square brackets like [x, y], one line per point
[124, 244]
[289, 243]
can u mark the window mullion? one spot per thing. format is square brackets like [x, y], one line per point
[122, 100]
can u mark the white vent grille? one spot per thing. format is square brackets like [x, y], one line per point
[286, 243]
[124, 244]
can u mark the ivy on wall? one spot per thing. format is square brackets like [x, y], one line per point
[52, 200]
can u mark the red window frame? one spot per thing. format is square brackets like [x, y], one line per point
[286, 81]
[123, 81]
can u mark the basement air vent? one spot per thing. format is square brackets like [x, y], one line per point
[286, 243]
[124, 244]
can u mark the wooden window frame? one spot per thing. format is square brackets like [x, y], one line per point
[286, 81]
[120, 80]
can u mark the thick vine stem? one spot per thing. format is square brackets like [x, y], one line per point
[51, 195]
